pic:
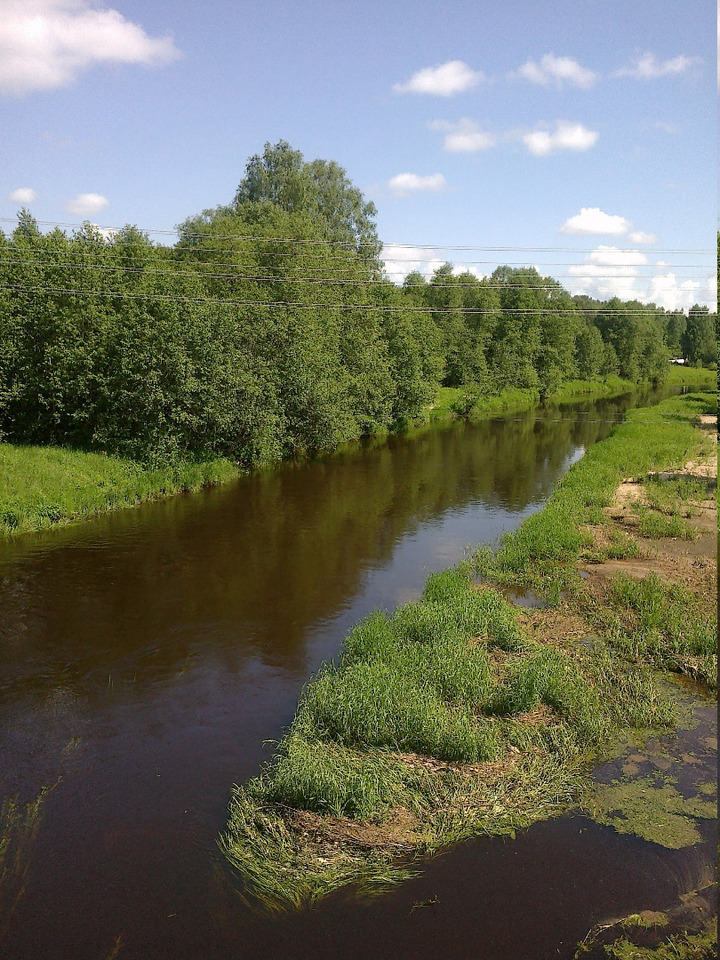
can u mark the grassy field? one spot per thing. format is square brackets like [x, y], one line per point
[44, 486]
[449, 719]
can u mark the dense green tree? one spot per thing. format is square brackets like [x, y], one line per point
[269, 329]
[698, 340]
[320, 188]
[589, 352]
[674, 323]
[636, 336]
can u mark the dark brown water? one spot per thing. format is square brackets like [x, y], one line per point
[146, 658]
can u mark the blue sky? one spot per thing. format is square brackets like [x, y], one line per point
[576, 136]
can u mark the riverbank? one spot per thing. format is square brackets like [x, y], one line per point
[456, 716]
[43, 487]
[459, 401]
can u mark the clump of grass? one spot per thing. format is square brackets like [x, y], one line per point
[655, 526]
[19, 826]
[675, 496]
[41, 487]
[650, 622]
[444, 711]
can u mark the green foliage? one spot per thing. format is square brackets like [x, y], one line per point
[269, 330]
[699, 338]
[253, 339]
[320, 188]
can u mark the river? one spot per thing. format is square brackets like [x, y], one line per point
[149, 658]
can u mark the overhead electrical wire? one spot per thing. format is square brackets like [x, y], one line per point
[299, 305]
[153, 269]
[352, 246]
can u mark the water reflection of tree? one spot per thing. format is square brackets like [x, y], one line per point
[246, 570]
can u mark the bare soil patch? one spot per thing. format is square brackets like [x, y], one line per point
[692, 563]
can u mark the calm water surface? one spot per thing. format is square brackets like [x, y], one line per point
[147, 658]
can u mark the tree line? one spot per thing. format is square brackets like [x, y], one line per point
[270, 329]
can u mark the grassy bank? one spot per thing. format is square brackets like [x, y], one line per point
[450, 718]
[461, 401]
[45, 486]
[646, 619]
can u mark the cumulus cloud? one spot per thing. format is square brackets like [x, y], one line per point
[406, 183]
[465, 136]
[46, 44]
[593, 220]
[608, 272]
[558, 71]
[648, 67]
[566, 136]
[86, 204]
[402, 259]
[640, 236]
[442, 81]
[23, 195]
[667, 292]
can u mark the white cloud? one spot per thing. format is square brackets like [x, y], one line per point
[107, 233]
[45, 44]
[669, 128]
[615, 258]
[558, 71]
[465, 136]
[402, 259]
[442, 81]
[23, 195]
[711, 293]
[566, 136]
[666, 292]
[648, 67]
[406, 183]
[86, 204]
[640, 236]
[608, 272]
[593, 220]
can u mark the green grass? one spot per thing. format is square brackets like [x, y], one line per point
[541, 552]
[41, 487]
[701, 378]
[469, 401]
[417, 703]
[19, 827]
[682, 946]
[648, 620]
[654, 525]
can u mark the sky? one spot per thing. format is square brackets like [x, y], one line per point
[575, 136]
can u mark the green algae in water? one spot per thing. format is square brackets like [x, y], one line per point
[651, 810]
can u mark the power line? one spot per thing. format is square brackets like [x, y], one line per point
[185, 252]
[155, 270]
[279, 304]
[351, 246]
